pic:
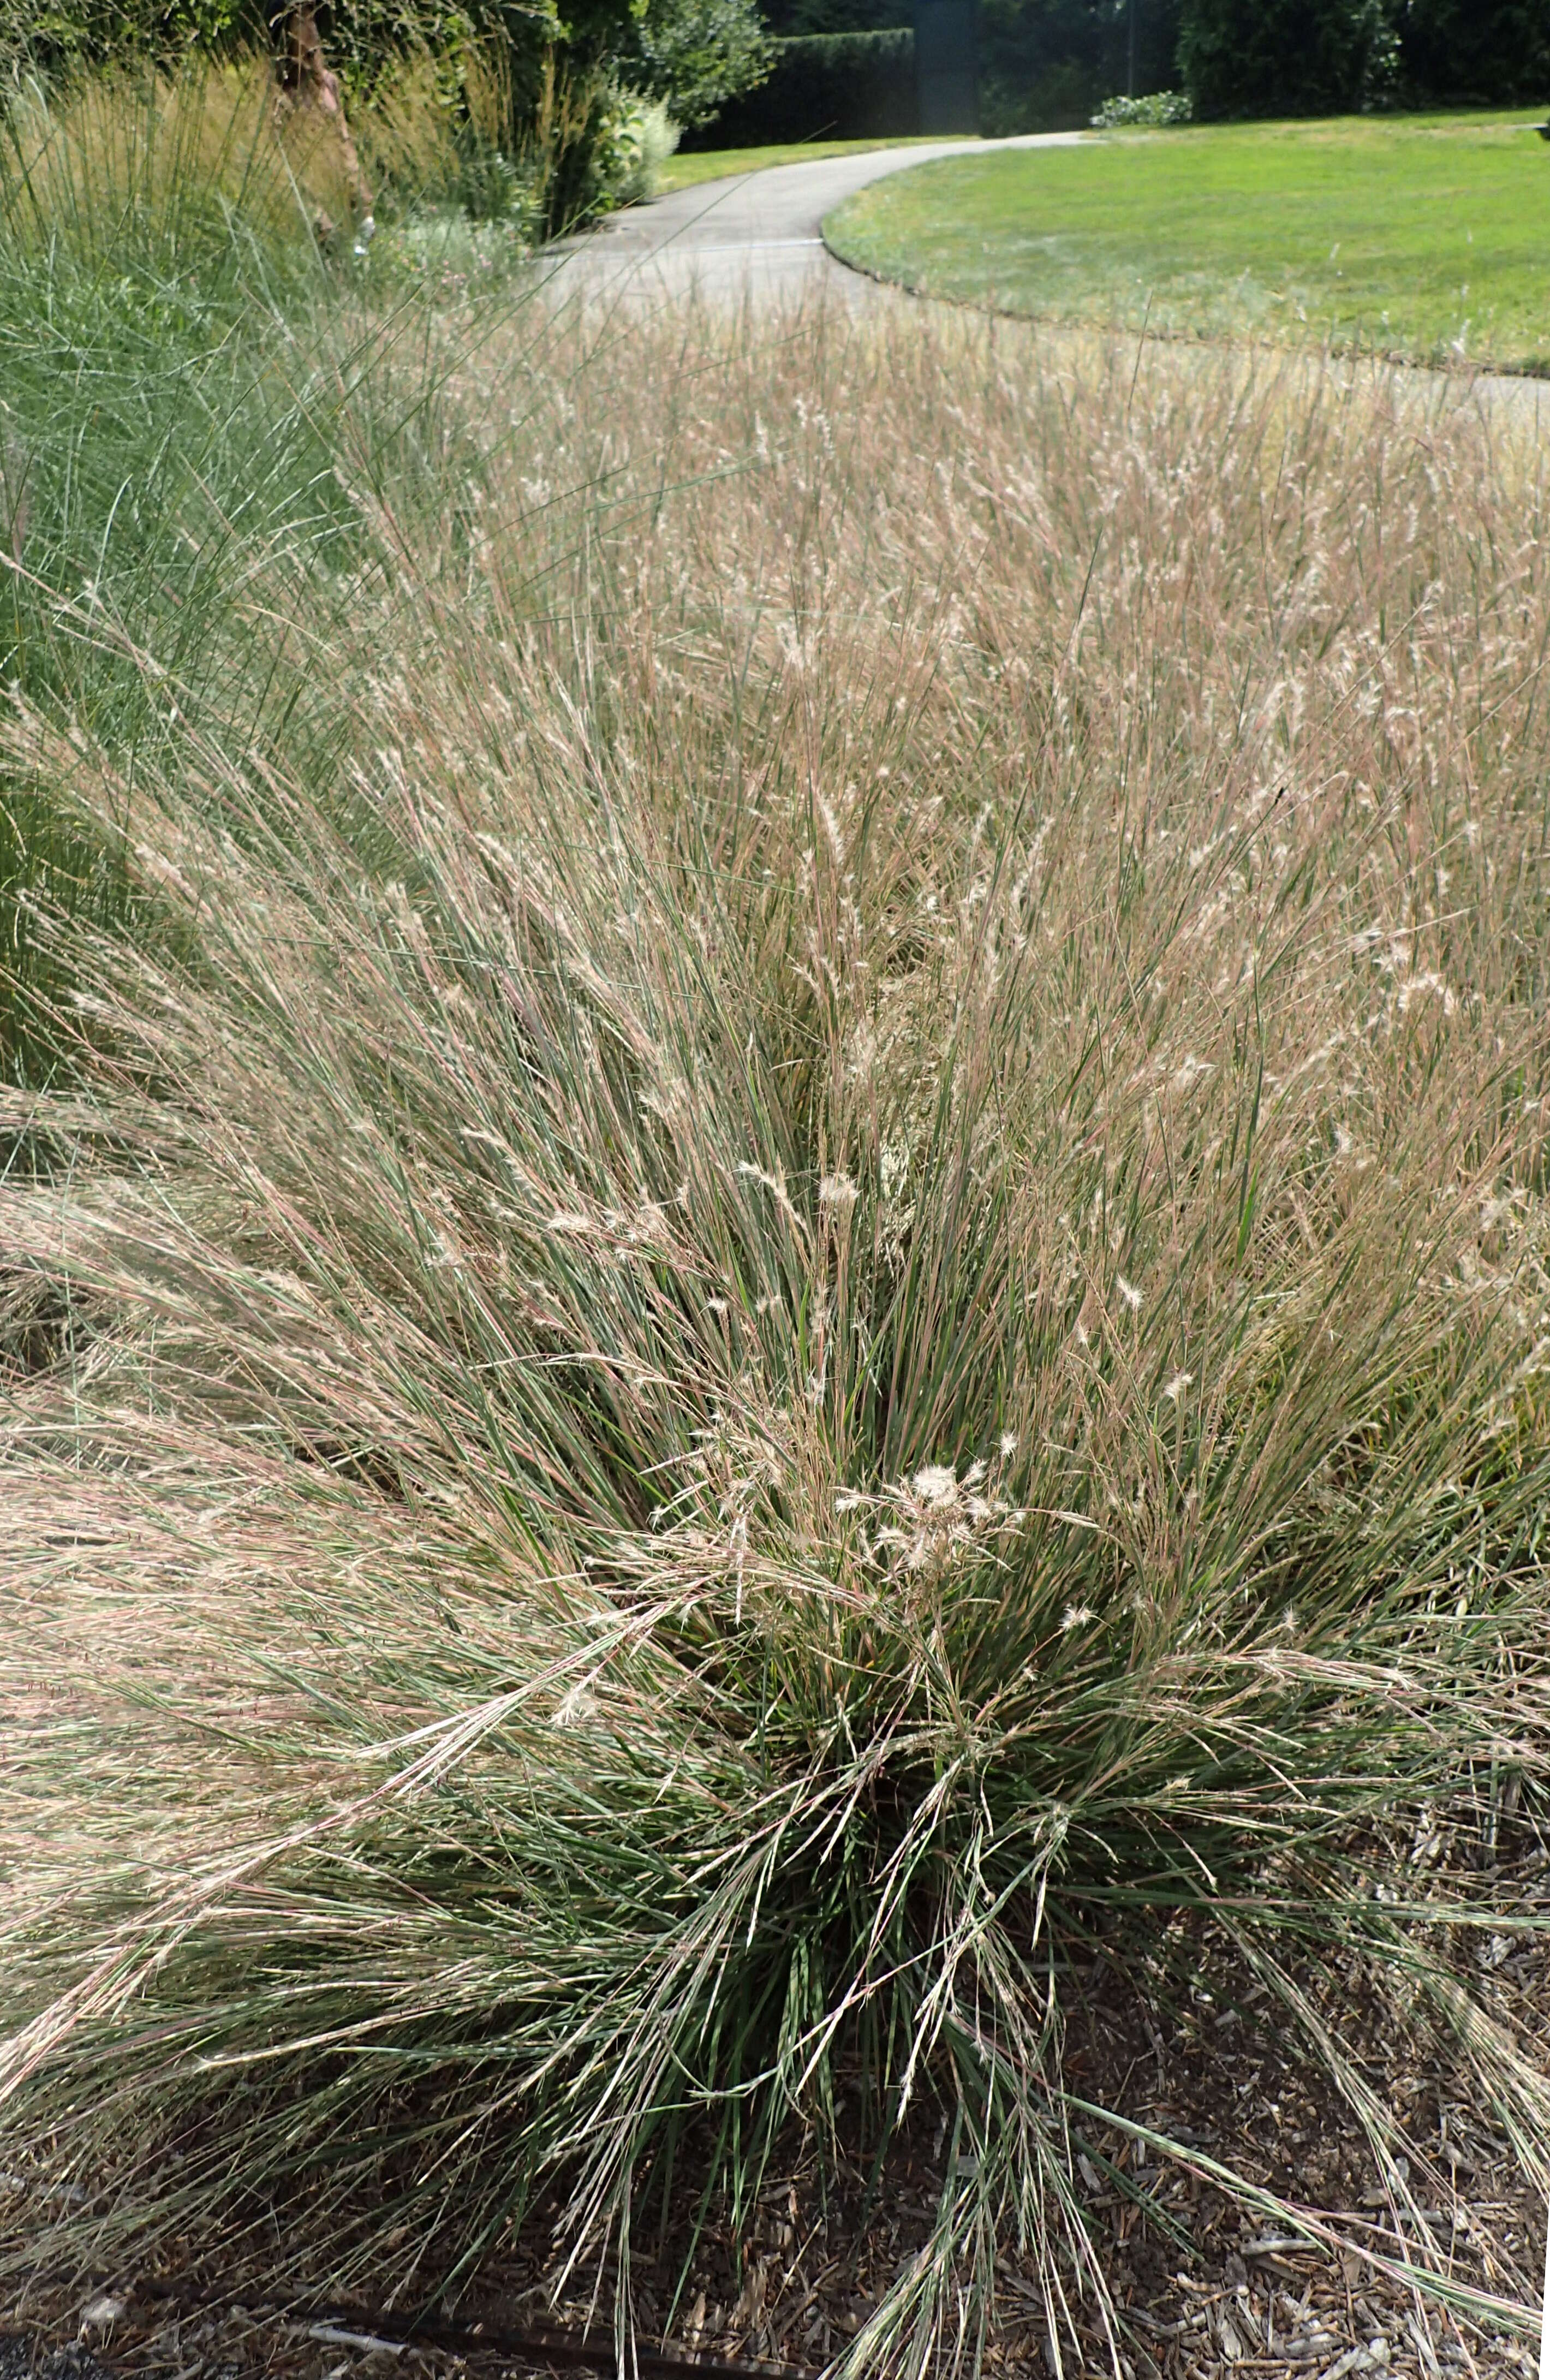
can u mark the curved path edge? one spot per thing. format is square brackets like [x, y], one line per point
[758, 237]
[758, 234]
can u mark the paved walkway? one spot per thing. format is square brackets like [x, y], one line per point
[757, 237]
[756, 234]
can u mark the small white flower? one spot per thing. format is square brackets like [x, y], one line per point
[1077, 1616]
[1130, 1295]
[1176, 1387]
[1007, 1444]
[937, 1485]
[837, 1190]
[100, 2315]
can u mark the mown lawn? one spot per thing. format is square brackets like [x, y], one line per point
[1422, 235]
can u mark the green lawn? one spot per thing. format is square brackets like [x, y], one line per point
[1421, 236]
[710, 164]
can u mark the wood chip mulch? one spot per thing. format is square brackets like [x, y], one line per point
[1205, 2290]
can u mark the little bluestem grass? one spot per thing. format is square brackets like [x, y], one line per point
[827, 1296]
[200, 417]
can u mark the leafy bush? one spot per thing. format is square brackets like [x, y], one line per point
[824, 86]
[691, 56]
[1158, 108]
[598, 149]
[789, 18]
[1472, 53]
[647, 139]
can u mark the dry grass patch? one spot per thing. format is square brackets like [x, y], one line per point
[210, 140]
[825, 1314]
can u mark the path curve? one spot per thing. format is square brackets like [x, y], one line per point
[756, 237]
[751, 235]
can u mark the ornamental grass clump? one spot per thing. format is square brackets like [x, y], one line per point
[191, 160]
[200, 419]
[831, 1303]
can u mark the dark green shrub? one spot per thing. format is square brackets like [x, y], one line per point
[1285, 58]
[788, 18]
[1475, 53]
[1047, 65]
[824, 87]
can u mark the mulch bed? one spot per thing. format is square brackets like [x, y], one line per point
[1204, 2289]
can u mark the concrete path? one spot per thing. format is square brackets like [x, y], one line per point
[758, 237]
[753, 234]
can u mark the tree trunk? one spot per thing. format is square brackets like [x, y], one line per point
[311, 100]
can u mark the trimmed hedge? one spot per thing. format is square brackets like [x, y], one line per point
[823, 87]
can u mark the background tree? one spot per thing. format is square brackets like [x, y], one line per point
[692, 54]
[1474, 53]
[1045, 65]
[1285, 58]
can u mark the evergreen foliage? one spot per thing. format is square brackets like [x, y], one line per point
[1284, 57]
[1465, 53]
[1333, 57]
[1048, 65]
[825, 86]
[792, 19]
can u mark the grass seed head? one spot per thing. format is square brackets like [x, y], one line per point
[571, 1613]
